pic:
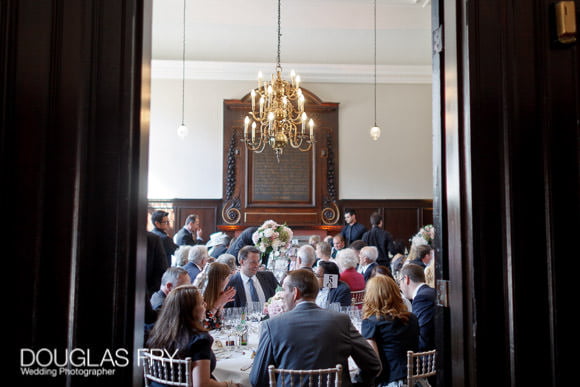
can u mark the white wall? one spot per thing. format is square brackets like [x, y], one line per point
[397, 166]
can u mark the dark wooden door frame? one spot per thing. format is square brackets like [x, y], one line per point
[506, 161]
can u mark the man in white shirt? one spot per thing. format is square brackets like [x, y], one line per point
[251, 284]
[367, 261]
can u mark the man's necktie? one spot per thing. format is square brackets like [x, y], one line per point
[253, 291]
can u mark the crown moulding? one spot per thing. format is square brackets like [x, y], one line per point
[313, 73]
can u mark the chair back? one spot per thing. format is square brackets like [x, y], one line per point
[312, 378]
[357, 297]
[420, 365]
[171, 372]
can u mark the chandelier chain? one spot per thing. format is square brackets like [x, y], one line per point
[279, 37]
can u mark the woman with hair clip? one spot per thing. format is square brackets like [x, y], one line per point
[389, 328]
[179, 330]
[216, 295]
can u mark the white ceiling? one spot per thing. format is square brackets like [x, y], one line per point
[324, 40]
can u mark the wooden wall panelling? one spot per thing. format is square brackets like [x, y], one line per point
[402, 223]
[207, 209]
[402, 218]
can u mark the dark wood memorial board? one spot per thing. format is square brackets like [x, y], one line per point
[301, 189]
[287, 180]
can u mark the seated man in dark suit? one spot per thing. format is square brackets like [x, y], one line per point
[367, 261]
[423, 255]
[423, 299]
[172, 278]
[197, 259]
[250, 283]
[190, 233]
[308, 337]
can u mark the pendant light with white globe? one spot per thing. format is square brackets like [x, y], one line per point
[375, 130]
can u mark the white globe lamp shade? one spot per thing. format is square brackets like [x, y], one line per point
[182, 131]
[375, 133]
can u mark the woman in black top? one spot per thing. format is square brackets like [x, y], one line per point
[179, 330]
[389, 328]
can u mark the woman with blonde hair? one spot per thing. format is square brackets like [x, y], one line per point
[216, 295]
[389, 328]
[179, 331]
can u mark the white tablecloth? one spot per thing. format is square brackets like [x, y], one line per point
[233, 363]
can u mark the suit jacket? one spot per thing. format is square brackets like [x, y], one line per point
[157, 299]
[424, 308]
[368, 271]
[340, 294]
[309, 337]
[168, 244]
[192, 269]
[267, 281]
[156, 262]
[381, 239]
[244, 239]
[418, 262]
[352, 233]
[184, 237]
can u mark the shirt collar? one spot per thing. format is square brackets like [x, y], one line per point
[417, 289]
[245, 278]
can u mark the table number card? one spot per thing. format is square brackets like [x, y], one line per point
[330, 281]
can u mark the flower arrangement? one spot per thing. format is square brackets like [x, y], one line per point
[425, 236]
[275, 305]
[272, 237]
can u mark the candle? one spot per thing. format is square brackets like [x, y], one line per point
[270, 121]
[253, 131]
[311, 124]
[259, 79]
[304, 117]
[246, 124]
[261, 105]
[253, 92]
[293, 77]
[297, 81]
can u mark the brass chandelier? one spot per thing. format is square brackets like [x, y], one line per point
[277, 115]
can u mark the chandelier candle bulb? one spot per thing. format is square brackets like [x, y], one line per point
[253, 92]
[260, 76]
[253, 132]
[261, 106]
[246, 124]
[293, 77]
[297, 81]
[311, 124]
